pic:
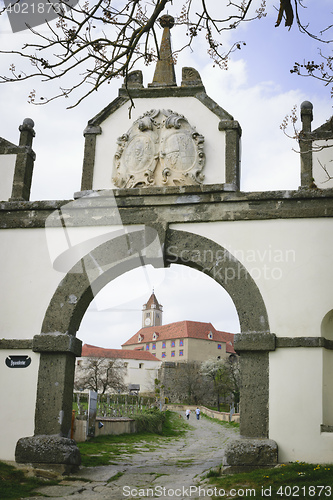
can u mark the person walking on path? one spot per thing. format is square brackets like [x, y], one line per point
[197, 412]
[187, 413]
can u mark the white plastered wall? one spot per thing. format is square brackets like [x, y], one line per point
[7, 168]
[18, 395]
[198, 116]
[296, 405]
[145, 376]
[29, 280]
[291, 263]
[323, 164]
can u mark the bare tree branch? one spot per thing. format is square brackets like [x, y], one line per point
[94, 43]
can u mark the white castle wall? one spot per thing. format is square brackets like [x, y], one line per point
[199, 117]
[7, 167]
[288, 259]
[322, 160]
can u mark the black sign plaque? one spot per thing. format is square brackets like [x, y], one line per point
[18, 361]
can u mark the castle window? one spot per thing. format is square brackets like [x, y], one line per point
[155, 336]
[154, 354]
[140, 338]
[163, 354]
[181, 353]
[147, 347]
[210, 335]
[163, 345]
[140, 365]
[173, 343]
[172, 354]
[181, 342]
[219, 346]
[154, 346]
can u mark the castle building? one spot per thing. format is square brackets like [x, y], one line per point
[180, 341]
[141, 368]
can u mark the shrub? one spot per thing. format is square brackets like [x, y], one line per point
[150, 421]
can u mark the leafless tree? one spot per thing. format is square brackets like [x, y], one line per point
[225, 377]
[96, 42]
[100, 375]
[188, 385]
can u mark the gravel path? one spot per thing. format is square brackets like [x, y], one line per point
[173, 470]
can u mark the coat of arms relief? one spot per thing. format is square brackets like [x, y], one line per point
[160, 149]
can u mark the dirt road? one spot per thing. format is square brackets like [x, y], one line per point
[174, 470]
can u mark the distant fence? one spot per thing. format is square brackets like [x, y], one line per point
[219, 415]
[113, 405]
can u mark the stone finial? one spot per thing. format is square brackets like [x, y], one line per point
[306, 115]
[24, 164]
[164, 75]
[27, 132]
[305, 144]
[191, 78]
[134, 80]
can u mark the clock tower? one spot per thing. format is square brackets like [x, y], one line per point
[152, 312]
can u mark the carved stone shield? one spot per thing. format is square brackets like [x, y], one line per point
[160, 149]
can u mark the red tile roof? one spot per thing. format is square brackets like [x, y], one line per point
[92, 351]
[183, 329]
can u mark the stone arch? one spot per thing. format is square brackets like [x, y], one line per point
[117, 256]
[327, 394]
[58, 345]
[327, 326]
[214, 260]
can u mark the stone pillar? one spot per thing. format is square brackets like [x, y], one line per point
[55, 382]
[90, 134]
[305, 144]
[254, 449]
[164, 75]
[233, 134]
[50, 444]
[24, 162]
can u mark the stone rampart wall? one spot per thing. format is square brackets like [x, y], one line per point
[219, 415]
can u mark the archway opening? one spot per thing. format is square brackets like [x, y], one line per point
[114, 315]
[113, 259]
[327, 333]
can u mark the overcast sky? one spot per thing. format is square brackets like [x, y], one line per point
[258, 90]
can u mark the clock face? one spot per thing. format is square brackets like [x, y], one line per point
[147, 321]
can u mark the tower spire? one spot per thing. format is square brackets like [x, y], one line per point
[164, 75]
[152, 312]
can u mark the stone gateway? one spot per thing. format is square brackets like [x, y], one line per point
[168, 191]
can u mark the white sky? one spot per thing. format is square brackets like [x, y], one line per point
[258, 90]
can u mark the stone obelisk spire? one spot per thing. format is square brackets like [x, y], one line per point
[164, 75]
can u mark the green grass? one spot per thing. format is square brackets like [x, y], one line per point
[102, 450]
[222, 422]
[223, 408]
[293, 480]
[15, 485]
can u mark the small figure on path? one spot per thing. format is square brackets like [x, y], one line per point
[197, 411]
[187, 413]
